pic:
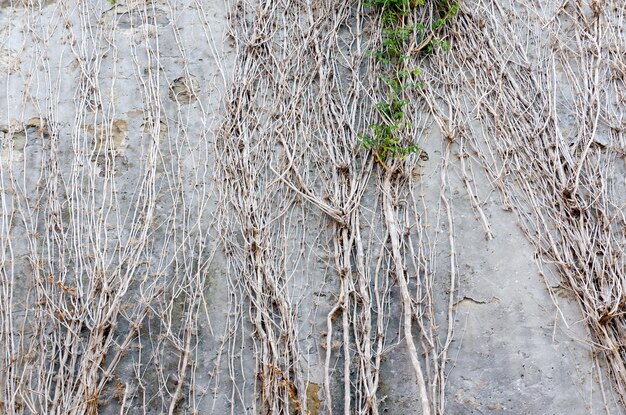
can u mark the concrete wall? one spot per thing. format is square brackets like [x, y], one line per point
[172, 235]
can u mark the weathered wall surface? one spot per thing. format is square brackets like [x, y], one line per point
[192, 225]
[108, 120]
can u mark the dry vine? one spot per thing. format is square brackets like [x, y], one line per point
[542, 110]
[304, 88]
[331, 259]
[100, 287]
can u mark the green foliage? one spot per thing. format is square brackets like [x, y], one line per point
[402, 80]
[396, 6]
[437, 43]
[385, 140]
[452, 10]
[395, 39]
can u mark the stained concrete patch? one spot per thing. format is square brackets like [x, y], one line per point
[184, 89]
[109, 141]
[137, 19]
[13, 141]
[313, 400]
[15, 136]
[109, 137]
[148, 127]
[110, 164]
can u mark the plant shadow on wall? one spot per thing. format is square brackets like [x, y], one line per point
[403, 35]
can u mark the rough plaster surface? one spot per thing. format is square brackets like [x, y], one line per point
[513, 351]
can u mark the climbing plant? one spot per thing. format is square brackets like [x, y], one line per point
[402, 38]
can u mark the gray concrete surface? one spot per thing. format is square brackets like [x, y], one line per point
[158, 84]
